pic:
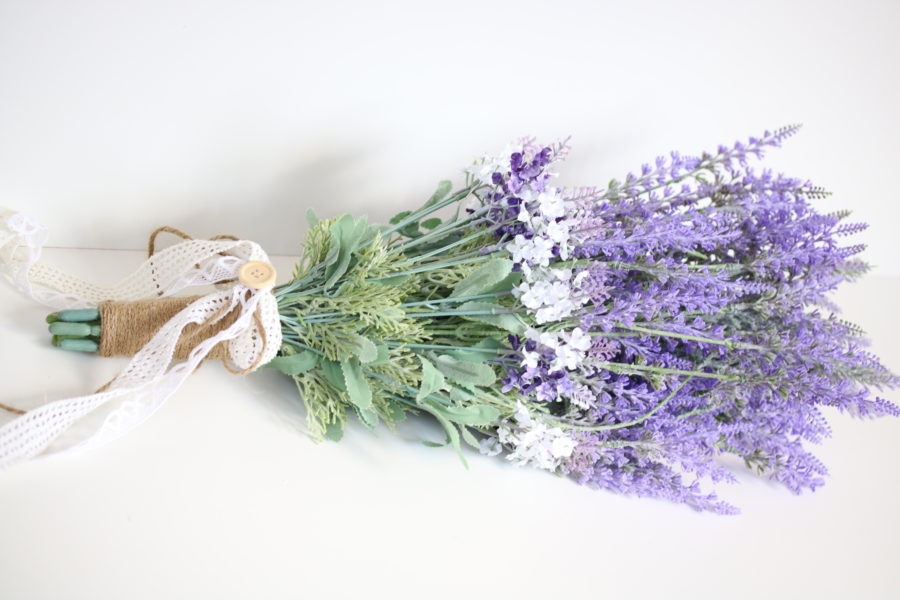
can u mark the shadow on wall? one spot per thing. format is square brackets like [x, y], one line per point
[263, 194]
[266, 198]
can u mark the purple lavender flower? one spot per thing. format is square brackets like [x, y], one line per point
[695, 284]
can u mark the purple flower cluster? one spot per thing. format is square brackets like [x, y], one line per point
[701, 288]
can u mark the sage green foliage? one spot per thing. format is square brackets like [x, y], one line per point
[381, 321]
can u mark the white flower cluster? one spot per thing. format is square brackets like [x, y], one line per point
[533, 442]
[551, 293]
[569, 348]
[550, 224]
[483, 168]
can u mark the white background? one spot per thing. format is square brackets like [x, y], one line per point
[234, 117]
[226, 116]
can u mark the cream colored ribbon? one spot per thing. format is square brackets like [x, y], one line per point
[152, 375]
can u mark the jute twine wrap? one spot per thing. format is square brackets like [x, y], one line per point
[128, 326]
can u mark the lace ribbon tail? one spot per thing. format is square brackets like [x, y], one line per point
[142, 387]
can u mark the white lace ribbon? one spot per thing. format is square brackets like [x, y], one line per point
[151, 376]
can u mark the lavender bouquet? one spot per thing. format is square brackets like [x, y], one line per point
[625, 336]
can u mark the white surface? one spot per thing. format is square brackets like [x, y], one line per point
[220, 495]
[117, 117]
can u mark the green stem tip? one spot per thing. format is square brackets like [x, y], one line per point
[77, 315]
[76, 344]
[74, 329]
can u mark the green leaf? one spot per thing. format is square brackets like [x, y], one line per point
[467, 373]
[431, 223]
[338, 258]
[450, 428]
[334, 249]
[357, 387]
[444, 187]
[383, 355]
[411, 230]
[332, 373]
[460, 396]
[469, 438]
[400, 216]
[507, 284]
[432, 380]
[363, 348]
[293, 364]
[484, 277]
[445, 238]
[312, 218]
[346, 234]
[334, 431]
[476, 414]
[391, 281]
[503, 319]
[396, 410]
[475, 355]
[368, 417]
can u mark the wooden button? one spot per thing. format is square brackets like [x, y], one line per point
[257, 275]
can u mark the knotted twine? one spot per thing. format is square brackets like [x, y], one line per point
[244, 318]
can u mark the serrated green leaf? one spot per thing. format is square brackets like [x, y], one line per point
[461, 396]
[332, 373]
[484, 277]
[293, 364]
[383, 355]
[368, 417]
[502, 318]
[364, 349]
[467, 373]
[357, 387]
[444, 187]
[432, 380]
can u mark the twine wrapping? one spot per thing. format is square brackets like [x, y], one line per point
[128, 326]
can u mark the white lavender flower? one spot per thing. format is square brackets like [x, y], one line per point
[569, 348]
[534, 252]
[484, 167]
[550, 295]
[533, 442]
